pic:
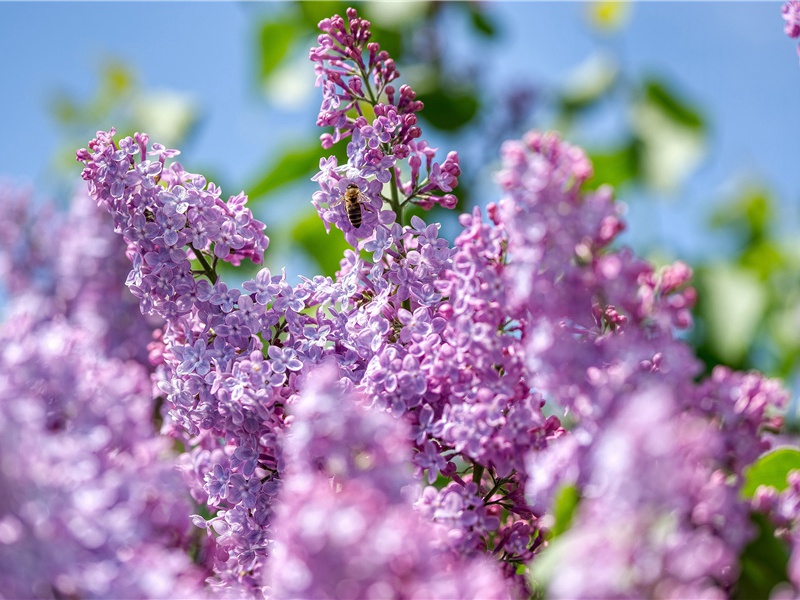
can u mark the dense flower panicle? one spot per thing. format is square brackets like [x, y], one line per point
[666, 519]
[69, 265]
[598, 317]
[596, 335]
[91, 505]
[381, 124]
[346, 528]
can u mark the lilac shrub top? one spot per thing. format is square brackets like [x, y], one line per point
[476, 349]
[91, 505]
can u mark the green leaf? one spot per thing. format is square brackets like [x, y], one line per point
[449, 110]
[564, 505]
[314, 12]
[678, 110]
[763, 562]
[771, 469]
[326, 249]
[589, 83]
[276, 39]
[295, 163]
[733, 304]
[480, 21]
[616, 166]
[672, 134]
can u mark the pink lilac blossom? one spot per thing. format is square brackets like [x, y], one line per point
[91, 504]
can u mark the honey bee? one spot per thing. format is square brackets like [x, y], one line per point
[353, 198]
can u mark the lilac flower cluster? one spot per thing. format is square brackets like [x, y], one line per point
[474, 348]
[657, 506]
[385, 147]
[791, 14]
[347, 528]
[91, 505]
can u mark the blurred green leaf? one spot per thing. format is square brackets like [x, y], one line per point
[326, 249]
[480, 21]
[771, 469]
[314, 12]
[750, 213]
[166, 115]
[659, 94]
[449, 110]
[564, 505]
[295, 163]
[276, 38]
[616, 166]
[672, 134]
[590, 82]
[763, 563]
[733, 304]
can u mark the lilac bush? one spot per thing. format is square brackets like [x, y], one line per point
[408, 428]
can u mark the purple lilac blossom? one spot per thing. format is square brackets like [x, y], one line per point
[657, 505]
[91, 504]
[355, 76]
[597, 335]
[345, 526]
[467, 344]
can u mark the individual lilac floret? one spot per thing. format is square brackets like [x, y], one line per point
[345, 527]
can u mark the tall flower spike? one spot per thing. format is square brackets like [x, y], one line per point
[381, 122]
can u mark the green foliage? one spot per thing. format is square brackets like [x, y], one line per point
[771, 470]
[617, 166]
[763, 563]
[120, 99]
[564, 506]
[733, 303]
[481, 22]
[325, 249]
[298, 161]
[761, 286]
[450, 109]
[665, 137]
[276, 39]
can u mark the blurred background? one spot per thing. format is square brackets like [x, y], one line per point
[688, 109]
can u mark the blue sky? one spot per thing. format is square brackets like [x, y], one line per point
[731, 59]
